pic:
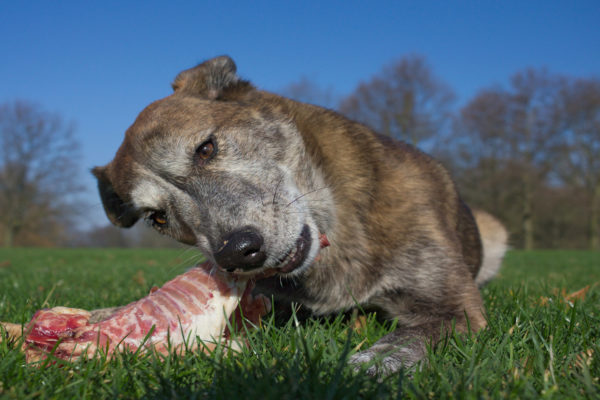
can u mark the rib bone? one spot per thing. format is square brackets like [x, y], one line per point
[195, 305]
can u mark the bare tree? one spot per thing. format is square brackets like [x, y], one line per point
[478, 153]
[511, 135]
[307, 91]
[580, 161]
[561, 216]
[38, 174]
[536, 129]
[405, 100]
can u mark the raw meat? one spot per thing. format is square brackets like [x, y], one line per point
[195, 305]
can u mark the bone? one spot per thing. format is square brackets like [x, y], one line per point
[188, 312]
[10, 331]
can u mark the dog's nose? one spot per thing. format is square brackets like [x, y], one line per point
[241, 249]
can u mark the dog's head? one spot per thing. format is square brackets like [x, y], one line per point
[215, 167]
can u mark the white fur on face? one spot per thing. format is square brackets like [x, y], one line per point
[147, 194]
[175, 155]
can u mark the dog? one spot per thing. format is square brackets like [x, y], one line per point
[260, 184]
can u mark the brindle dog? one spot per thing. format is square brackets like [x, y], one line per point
[256, 181]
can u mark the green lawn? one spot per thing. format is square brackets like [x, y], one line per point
[536, 344]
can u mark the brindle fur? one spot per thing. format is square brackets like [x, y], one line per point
[402, 240]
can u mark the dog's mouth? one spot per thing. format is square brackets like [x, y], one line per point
[296, 256]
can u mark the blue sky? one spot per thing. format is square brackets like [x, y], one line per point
[99, 63]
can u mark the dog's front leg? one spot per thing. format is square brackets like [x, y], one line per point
[407, 345]
[403, 348]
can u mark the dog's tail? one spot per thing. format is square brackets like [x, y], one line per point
[494, 237]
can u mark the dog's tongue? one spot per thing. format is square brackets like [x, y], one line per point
[323, 240]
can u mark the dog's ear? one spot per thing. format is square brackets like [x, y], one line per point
[215, 79]
[118, 212]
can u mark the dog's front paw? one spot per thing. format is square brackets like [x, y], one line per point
[386, 359]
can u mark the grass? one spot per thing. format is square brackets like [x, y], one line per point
[536, 345]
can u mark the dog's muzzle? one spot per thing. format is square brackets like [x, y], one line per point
[244, 251]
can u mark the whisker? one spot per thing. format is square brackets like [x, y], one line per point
[305, 194]
[277, 190]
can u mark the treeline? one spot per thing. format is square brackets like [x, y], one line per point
[40, 186]
[527, 150]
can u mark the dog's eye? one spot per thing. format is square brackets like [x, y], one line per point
[158, 219]
[206, 151]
